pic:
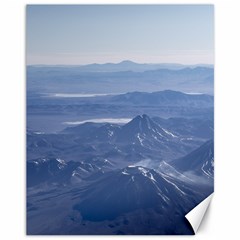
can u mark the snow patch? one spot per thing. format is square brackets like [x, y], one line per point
[169, 133]
[140, 139]
[159, 133]
[131, 166]
[38, 133]
[143, 171]
[152, 178]
[61, 161]
[174, 185]
[110, 133]
[107, 161]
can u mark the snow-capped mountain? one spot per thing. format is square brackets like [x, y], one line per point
[99, 190]
[139, 128]
[55, 171]
[114, 149]
[131, 188]
[143, 130]
[132, 200]
[140, 138]
[143, 135]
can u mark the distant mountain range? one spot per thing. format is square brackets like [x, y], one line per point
[48, 112]
[123, 66]
[117, 78]
[111, 150]
[165, 98]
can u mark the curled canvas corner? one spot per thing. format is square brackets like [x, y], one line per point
[195, 216]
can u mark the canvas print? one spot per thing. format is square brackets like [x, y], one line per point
[120, 118]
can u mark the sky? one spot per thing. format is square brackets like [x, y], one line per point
[84, 34]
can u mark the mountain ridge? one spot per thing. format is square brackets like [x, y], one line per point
[200, 161]
[125, 65]
[165, 97]
[146, 189]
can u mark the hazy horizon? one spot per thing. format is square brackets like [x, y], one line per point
[85, 34]
[121, 61]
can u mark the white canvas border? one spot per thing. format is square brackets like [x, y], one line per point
[222, 217]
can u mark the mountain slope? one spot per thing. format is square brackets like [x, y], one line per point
[200, 161]
[132, 200]
[184, 127]
[133, 188]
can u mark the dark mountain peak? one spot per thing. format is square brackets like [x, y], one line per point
[145, 116]
[142, 130]
[141, 124]
[141, 118]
